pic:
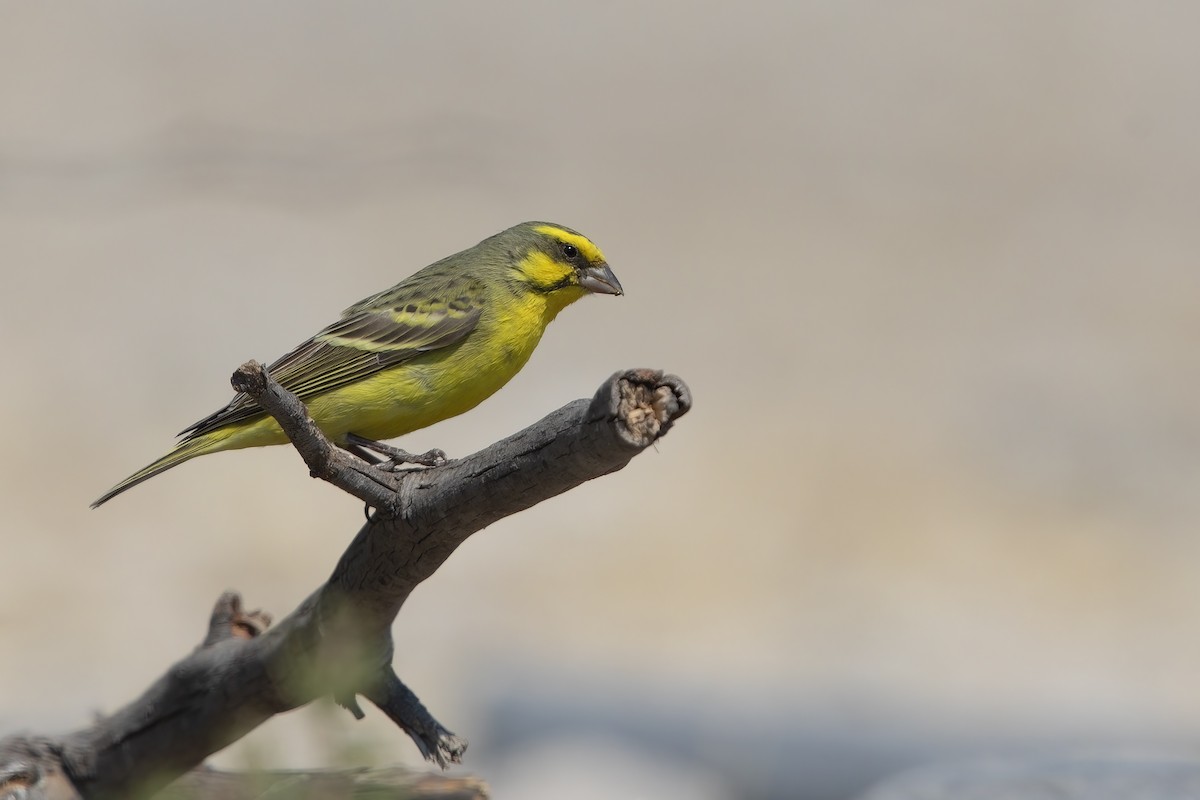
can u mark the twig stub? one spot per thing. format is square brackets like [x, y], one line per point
[250, 378]
[230, 621]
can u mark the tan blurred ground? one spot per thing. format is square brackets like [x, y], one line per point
[930, 269]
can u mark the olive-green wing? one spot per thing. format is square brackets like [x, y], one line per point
[367, 340]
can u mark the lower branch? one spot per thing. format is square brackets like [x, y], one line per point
[354, 784]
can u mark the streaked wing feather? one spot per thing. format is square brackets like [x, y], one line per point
[366, 341]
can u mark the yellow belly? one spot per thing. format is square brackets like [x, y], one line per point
[409, 397]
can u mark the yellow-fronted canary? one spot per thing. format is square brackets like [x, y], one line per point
[433, 346]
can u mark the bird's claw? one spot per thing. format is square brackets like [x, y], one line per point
[430, 458]
[394, 457]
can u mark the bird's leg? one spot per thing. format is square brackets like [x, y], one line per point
[366, 448]
[365, 454]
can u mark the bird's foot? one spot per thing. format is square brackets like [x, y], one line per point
[395, 458]
[430, 458]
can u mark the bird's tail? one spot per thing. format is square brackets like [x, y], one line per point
[184, 451]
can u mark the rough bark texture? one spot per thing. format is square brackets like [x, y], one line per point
[338, 641]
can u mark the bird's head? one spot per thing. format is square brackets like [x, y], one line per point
[559, 262]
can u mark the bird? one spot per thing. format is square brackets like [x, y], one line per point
[431, 347]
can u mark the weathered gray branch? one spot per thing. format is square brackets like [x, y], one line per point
[338, 641]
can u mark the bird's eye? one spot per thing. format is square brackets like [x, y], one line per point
[570, 250]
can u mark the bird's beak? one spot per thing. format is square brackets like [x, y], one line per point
[600, 279]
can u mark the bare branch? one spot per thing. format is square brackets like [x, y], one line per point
[337, 643]
[352, 784]
[403, 708]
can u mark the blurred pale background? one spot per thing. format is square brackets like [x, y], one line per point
[931, 270]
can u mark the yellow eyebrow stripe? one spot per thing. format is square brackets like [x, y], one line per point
[582, 243]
